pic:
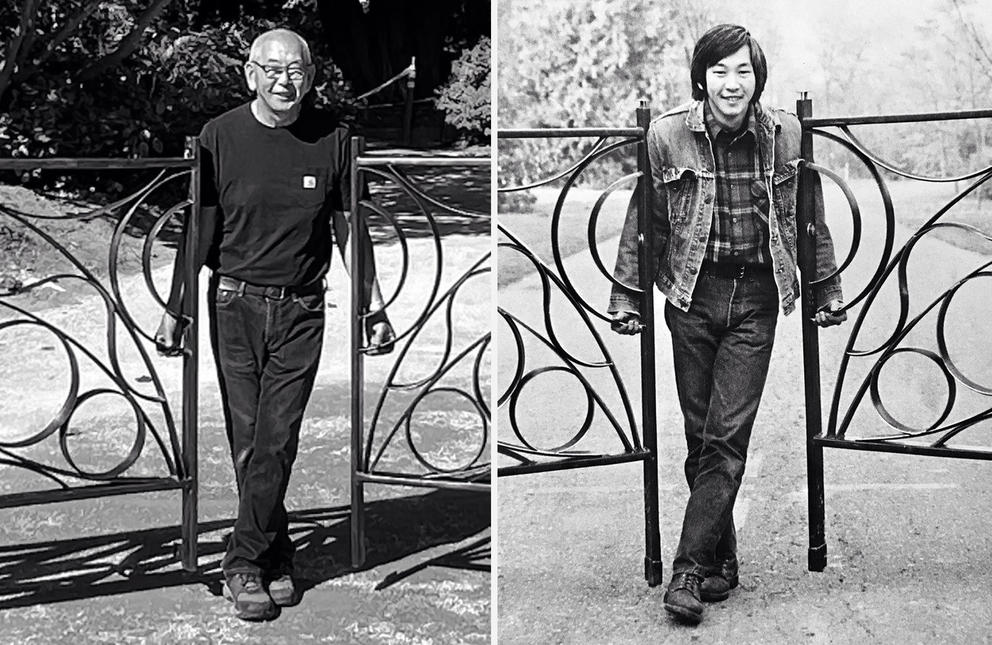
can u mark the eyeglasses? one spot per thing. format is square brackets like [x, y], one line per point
[294, 72]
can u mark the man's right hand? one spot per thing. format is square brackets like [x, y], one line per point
[626, 322]
[168, 338]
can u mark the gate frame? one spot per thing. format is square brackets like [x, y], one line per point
[360, 473]
[648, 455]
[187, 477]
[816, 440]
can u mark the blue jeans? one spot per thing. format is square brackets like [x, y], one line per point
[721, 349]
[267, 351]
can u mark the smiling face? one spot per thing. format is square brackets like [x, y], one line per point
[729, 88]
[279, 73]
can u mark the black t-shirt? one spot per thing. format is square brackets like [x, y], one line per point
[268, 196]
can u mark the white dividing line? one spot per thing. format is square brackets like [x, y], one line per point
[852, 488]
[743, 504]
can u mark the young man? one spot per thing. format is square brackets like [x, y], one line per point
[724, 174]
[276, 182]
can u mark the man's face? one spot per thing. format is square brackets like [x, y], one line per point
[730, 86]
[279, 77]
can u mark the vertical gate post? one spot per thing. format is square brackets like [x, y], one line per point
[358, 307]
[817, 556]
[190, 471]
[411, 82]
[653, 568]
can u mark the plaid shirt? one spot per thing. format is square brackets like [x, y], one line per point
[739, 233]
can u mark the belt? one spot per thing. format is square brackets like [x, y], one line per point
[734, 271]
[227, 283]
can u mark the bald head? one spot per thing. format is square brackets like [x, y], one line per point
[281, 39]
[280, 71]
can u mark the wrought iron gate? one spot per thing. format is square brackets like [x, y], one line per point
[377, 453]
[940, 437]
[122, 362]
[532, 455]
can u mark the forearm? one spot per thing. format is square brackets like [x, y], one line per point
[371, 292]
[826, 260]
[205, 240]
[627, 269]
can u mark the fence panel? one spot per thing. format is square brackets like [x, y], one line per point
[66, 443]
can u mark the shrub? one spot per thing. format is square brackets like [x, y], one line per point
[465, 98]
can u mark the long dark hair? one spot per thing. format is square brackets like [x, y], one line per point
[715, 45]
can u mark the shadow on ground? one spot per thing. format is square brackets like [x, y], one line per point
[106, 565]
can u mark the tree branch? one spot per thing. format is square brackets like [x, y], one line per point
[128, 44]
[14, 51]
[67, 30]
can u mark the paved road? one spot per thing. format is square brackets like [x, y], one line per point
[907, 536]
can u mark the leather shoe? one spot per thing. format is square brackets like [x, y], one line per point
[716, 587]
[682, 597]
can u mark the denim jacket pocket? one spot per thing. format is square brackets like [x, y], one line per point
[680, 184]
[785, 183]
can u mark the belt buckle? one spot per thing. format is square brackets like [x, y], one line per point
[282, 293]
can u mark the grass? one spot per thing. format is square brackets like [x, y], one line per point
[533, 229]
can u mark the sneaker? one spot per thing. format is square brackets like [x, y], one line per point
[283, 591]
[682, 598]
[716, 587]
[251, 602]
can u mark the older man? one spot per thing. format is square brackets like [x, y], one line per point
[724, 173]
[275, 187]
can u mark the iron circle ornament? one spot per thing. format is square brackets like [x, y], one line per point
[887, 416]
[72, 396]
[951, 366]
[419, 455]
[515, 397]
[132, 455]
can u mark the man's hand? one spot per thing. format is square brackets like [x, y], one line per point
[168, 338]
[626, 322]
[831, 314]
[381, 338]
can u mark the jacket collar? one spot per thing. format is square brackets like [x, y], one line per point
[696, 121]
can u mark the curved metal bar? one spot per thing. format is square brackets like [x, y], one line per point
[16, 461]
[902, 173]
[120, 382]
[629, 445]
[146, 250]
[594, 219]
[373, 462]
[855, 218]
[556, 220]
[96, 212]
[891, 346]
[402, 178]
[438, 251]
[543, 182]
[889, 210]
[127, 462]
[401, 236]
[65, 411]
[518, 371]
[884, 412]
[583, 427]
[420, 456]
[477, 377]
[942, 338]
[439, 371]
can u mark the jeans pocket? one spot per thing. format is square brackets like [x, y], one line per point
[224, 296]
[314, 302]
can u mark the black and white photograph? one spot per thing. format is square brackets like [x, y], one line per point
[742, 362]
[246, 292]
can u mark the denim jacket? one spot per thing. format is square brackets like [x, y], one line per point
[684, 190]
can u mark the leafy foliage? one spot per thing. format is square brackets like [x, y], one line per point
[69, 96]
[465, 98]
[587, 64]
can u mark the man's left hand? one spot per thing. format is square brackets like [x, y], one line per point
[381, 338]
[831, 314]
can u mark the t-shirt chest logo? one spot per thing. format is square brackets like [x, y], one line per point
[309, 182]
